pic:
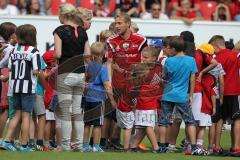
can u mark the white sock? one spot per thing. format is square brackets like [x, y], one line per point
[200, 142]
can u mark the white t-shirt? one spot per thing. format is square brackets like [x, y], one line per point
[9, 10]
[149, 16]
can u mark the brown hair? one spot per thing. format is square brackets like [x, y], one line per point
[6, 30]
[217, 39]
[105, 34]
[26, 35]
[177, 43]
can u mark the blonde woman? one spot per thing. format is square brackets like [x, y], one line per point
[71, 44]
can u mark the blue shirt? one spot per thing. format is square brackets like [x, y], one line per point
[39, 88]
[178, 70]
[98, 75]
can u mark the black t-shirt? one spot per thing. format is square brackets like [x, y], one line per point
[72, 47]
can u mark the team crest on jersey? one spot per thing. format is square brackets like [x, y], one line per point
[126, 45]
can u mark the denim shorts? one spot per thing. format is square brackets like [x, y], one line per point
[165, 117]
[24, 102]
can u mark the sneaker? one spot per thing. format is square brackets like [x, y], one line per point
[217, 151]
[36, 147]
[97, 149]
[136, 150]
[26, 149]
[172, 150]
[8, 146]
[17, 145]
[105, 145]
[155, 151]
[143, 147]
[200, 151]
[162, 150]
[235, 152]
[86, 149]
[116, 145]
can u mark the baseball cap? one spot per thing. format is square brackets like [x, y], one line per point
[48, 56]
[156, 43]
[206, 48]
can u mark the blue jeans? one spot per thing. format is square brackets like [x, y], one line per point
[167, 111]
[24, 102]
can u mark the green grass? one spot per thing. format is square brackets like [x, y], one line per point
[6, 155]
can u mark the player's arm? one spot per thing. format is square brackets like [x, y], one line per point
[57, 46]
[87, 53]
[191, 90]
[221, 88]
[36, 63]
[109, 91]
[213, 64]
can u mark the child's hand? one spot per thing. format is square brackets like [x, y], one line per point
[214, 111]
[114, 104]
[199, 78]
[54, 69]
[190, 101]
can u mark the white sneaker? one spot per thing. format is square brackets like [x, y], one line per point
[97, 149]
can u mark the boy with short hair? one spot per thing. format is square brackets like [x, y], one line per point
[179, 71]
[230, 63]
[98, 86]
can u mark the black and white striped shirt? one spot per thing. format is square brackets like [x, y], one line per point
[23, 60]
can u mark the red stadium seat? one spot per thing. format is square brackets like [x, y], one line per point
[207, 9]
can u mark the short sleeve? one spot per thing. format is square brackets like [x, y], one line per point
[110, 51]
[194, 66]
[104, 74]
[59, 31]
[36, 62]
[43, 65]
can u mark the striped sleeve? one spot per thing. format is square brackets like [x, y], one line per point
[36, 62]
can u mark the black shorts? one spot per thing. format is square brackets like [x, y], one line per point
[231, 108]
[110, 112]
[93, 113]
[219, 112]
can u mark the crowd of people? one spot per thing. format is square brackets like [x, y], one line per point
[186, 10]
[120, 83]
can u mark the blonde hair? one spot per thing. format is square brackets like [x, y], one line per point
[134, 27]
[153, 51]
[68, 10]
[84, 12]
[97, 49]
[125, 16]
[237, 47]
[105, 34]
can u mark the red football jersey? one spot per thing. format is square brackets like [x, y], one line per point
[199, 62]
[209, 89]
[229, 60]
[50, 89]
[151, 90]
[124, 53]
